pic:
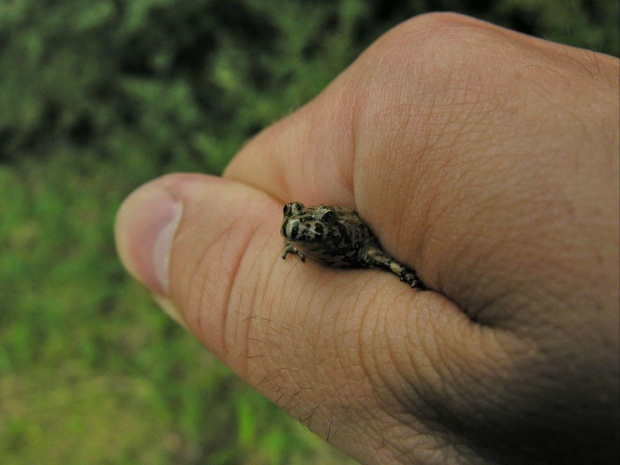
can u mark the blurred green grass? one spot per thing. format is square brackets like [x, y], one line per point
[99, 96]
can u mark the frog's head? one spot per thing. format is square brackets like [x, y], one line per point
[306, 224]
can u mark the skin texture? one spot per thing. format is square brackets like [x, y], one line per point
[485, 160]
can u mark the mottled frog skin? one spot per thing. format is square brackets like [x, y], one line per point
[338, 237]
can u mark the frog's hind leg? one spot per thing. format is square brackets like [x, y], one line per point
[375, 256]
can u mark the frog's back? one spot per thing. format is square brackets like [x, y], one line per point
[343, 240]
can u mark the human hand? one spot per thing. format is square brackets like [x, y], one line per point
[485, 160]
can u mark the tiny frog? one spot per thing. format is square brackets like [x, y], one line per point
[338, 237]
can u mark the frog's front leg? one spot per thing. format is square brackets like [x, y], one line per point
[375, 256]
[290, 248]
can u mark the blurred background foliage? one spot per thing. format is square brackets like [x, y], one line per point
[99, 96]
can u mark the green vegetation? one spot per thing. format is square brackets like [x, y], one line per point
[99, 96]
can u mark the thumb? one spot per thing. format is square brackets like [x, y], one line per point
[194, 229]
[326, 345]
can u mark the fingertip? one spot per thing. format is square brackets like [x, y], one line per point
[145, 226]
[170, 309]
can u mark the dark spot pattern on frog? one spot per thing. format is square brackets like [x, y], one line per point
[338, 237]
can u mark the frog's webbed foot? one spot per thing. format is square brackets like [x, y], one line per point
[290, 248]
[375, 256]
[410, 277]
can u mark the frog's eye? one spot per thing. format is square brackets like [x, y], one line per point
[293, 208]
[327, 215]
